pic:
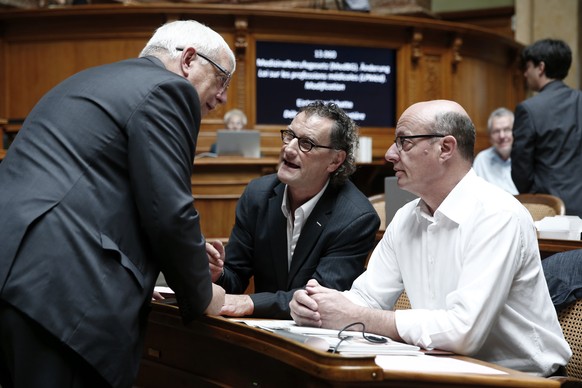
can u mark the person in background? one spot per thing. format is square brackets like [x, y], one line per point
[465, 252]
[96, 200]
[235, 120]
[494, 163]
[306, 221]
[547, 149]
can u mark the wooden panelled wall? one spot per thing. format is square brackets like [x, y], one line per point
[435, 59]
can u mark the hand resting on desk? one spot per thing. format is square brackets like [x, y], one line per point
[319, 306]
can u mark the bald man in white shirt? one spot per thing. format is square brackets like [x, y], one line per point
[466, 253]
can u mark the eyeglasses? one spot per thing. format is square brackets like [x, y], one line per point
[305, 144]
[404, 143]
[370, 338]
[224, 78]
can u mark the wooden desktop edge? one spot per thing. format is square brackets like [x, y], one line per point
[332, 368]
[317, 363]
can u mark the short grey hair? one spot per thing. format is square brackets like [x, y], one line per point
[234, 113]
[184, 33]
[461, 128]
[499, 112]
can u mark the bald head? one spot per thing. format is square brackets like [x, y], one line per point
[426, 111]
[446, 118]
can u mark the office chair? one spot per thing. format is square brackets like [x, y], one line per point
[402, 303]
[571, 322]
[378, 202]
[542, 205]
[563, 273]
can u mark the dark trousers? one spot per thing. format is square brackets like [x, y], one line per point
[31, 357]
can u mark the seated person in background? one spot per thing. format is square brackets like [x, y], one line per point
[494, 163]
[563, 273]
[465, 252]
[235, 120]
[306, 221]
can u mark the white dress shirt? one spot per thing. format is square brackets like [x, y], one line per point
[473, 275]
[489, 166]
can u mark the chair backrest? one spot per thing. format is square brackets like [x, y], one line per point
[402, 303]
[542, 205]
[571, 321]
[378, 202]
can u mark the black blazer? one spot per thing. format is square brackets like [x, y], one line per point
[333, 246]
[547, 149]
[95, 199]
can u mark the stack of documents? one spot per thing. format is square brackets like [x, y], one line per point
[327, 339]
[560, 227]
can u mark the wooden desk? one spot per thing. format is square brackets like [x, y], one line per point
[218, 182]
[214, 351]
[550, 246]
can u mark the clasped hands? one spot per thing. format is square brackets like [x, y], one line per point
[319, 306]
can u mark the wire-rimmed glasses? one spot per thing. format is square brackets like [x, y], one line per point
[370, 338]
[224, 78]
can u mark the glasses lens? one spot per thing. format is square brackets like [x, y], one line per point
[398, 142]
[286, 136]
[305, 145]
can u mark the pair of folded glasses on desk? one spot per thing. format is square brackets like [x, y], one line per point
[348, 341]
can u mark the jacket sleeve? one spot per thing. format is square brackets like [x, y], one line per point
[162, 139]
[523, 150]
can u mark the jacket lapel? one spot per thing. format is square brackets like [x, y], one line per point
[311, 232]
[277, 223]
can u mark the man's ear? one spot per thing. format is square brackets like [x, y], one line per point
[187, 60]
[448, 147]
[542, 68]
[337, 161]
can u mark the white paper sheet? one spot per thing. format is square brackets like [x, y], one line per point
[433, 364]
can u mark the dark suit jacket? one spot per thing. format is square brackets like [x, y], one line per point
[547, 149]
[95, 198]
[333, 246]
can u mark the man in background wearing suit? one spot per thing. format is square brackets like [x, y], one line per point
[547, 149]
[307, 221]
[96, 199]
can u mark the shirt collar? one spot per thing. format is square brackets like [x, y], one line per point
[453, 207]
[307, 207]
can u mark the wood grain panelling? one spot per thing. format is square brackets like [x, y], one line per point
[435, 59]
[41, 66]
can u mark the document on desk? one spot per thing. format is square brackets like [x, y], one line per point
[434, 364]
[327, 339]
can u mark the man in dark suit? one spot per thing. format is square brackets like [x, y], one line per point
[95, 199]
[307, 221]
[547, 149]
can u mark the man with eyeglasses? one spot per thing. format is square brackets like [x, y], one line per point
[465, 252]
[494, 163]
[306, 221]
[95, 200]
